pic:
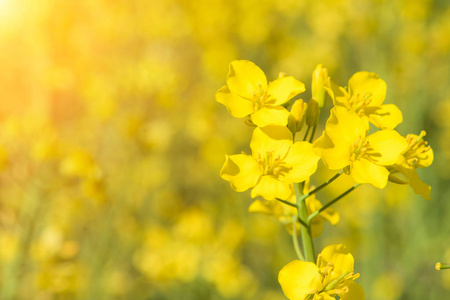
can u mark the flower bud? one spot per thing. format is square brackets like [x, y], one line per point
[297, 116]
[312, 113]
[320, 80]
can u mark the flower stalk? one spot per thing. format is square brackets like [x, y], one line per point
[305, 228]
[295, 239]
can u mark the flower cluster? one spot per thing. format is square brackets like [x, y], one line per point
[359, 140]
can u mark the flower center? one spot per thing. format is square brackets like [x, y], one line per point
[359, 101]
[359, 148]
[418, 149]
[259, 98]
[271, 164]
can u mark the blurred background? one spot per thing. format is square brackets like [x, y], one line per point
[111, 143]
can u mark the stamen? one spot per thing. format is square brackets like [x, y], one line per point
[328, 269]
[412, 161]
[259, 159]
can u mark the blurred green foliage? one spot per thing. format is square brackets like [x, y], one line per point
[111, 145]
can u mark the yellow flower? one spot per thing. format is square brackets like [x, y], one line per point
[284, 212]
[345, 143]
[418, 154]
[332, 276]
[247, 93]
[275, 163]
[365, 96]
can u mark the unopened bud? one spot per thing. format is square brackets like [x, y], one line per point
[441, 266]
[297, 116]
[320, 81]
[312, 113]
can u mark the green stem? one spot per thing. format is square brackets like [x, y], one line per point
[316, 213]
[287, 202]
[312, 192]
[307, 240]
[295, 239]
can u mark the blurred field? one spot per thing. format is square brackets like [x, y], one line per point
[111, 144]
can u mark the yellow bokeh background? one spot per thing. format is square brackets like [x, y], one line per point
[111, 143]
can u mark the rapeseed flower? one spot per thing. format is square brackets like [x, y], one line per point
[365, 96]
[418, 154]
[345, 143]
[248, 93]
[275, 163]
[331, 276]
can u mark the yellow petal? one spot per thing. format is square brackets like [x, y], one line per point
[237, 106]
[419, 187]
[339, 95]
[385, 147]
[314, 205]
[369, 83]
[269, 187]
[355, 292]
[343, 128]
[270, 140]
[334, 156]
[245, 78]
[386, 116]
[298, 278]
[301, 161]
[364, 171]
[271, 115]
[283, 89]
[323, 296]
[264, 207]
[316, 227]
[242, 171]
[331, 215]
[345, 125]
[426, 159]
[339, 256]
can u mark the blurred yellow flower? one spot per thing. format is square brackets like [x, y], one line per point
[365, 96]
[418, 154]
[332, 276]
[345, 143]
[275, 163]
[247, 93]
